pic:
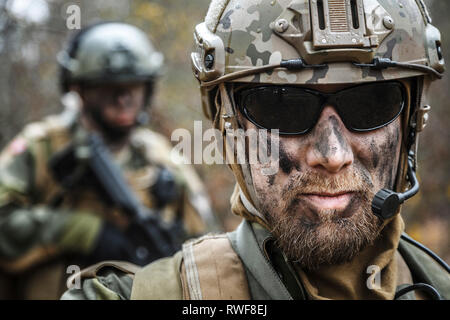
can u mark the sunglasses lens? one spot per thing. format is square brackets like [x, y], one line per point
[290, 110]
[295, 110]
[369, 107]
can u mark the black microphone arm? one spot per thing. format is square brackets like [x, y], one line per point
[386, 202]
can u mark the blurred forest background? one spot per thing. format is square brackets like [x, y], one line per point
[32, 32]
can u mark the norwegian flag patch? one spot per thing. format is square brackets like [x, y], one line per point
[17, 146]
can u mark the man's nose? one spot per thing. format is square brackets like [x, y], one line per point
[123, 99]
[329, 148]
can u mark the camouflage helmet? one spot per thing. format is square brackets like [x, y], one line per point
[315, 41]
[298, 42]
[109, 52]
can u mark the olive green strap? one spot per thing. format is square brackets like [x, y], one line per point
[425, 266]
[244, 243]
[91, 271]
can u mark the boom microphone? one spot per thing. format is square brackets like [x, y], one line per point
[386, 202]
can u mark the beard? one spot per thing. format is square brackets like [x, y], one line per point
[312, 237]
[112, 133]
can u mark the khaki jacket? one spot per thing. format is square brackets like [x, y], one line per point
[238, 265]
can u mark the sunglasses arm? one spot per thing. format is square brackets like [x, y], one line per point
[386, 202]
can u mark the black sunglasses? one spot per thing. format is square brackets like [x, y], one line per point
[296, 110]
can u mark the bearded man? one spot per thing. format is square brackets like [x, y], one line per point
[342, 83]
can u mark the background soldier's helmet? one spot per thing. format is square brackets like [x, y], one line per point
[109, 52]
[295, 42]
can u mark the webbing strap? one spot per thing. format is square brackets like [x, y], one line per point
[213, 270]
[193, 282]
[244, 243]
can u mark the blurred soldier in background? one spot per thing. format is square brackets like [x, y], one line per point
[54, 210]
[344, 83]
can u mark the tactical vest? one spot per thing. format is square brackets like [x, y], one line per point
[233, 266]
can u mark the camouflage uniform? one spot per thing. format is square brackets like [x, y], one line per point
[265, 42]
[36, 235]
[257, 272]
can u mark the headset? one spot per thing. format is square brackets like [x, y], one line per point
[386, 202]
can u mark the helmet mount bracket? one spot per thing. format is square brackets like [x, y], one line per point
[332, 31]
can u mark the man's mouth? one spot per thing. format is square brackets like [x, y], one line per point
[329, 201]
[124, 120]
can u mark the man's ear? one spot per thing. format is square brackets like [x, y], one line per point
[76, 89]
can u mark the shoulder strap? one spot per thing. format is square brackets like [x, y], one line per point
[213, 271]
[206, 269]
[266, 281]
[430, 253]
[92, 271]
[425, 265]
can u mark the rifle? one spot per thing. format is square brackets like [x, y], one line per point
[93, 160]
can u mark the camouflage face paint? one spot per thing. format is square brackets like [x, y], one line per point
[387, 169]
[287, 163]
[329, 139]
[328, 160]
